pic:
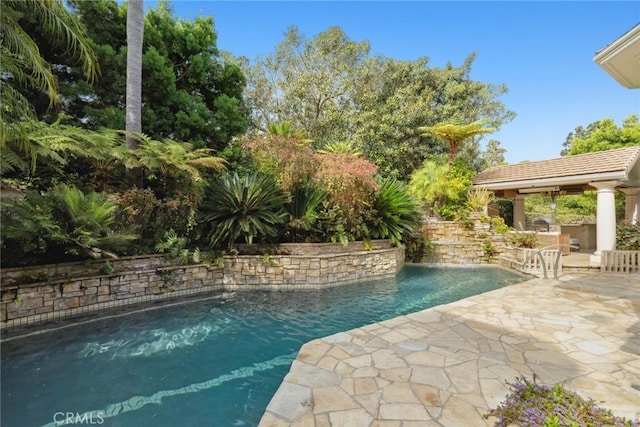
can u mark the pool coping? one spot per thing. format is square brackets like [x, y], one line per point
[448, 365]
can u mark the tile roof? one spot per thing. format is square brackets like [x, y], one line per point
[619, 160]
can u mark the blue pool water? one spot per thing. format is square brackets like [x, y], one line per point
[211, 361]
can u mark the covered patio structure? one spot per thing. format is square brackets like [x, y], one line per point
[604, 172]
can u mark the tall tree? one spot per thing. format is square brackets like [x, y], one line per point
[23, 68]
[603, 135]
[135, 35]
[493, 155]
[133, 116]
[331, 86]
[308, 82]
[455, 134]
[191, 91]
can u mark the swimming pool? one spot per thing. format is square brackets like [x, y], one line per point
[214, 361]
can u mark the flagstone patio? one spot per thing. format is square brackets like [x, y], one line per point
[447, 365]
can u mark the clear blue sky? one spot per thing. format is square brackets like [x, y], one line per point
[542, 51]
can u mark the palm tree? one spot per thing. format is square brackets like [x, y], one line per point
[455, 133]
[133, 117]
[285, 130]
[430, 184]
[21, 64]
[340, 147]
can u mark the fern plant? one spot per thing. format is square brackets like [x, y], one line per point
[243, 207]
[64, 220]
[175, 247]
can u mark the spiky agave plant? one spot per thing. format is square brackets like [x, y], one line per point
[304, 209]
[396, 211]
[242, 207]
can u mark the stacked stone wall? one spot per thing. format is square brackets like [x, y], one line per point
[41, 293]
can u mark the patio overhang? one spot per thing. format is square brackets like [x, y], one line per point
[571, 174]
[604, 171]
[621, 58]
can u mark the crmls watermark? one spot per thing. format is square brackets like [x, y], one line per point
[76, 418]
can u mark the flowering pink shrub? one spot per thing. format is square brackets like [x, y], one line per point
[348, 179]
[287, 160]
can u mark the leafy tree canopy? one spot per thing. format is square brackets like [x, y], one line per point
[603, 135]
[332, 87]
[493, 155]
[191, 91]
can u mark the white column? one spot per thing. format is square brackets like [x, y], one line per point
[631, 204]
[605, 218]
[519, 218]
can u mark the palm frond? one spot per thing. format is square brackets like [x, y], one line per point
[60, 24]
[24, 58]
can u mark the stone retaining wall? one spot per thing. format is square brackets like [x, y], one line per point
[456, 252]
[311, 270]
[454, 243]
[64, 290]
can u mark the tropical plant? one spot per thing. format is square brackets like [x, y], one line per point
[304, 209]
[242, 207]
[175, 247]
[22, 67]
[64, 222]
[441, 188]
[53, 146]
[21, 62]
[396, 213]
[338, 147]
[170, 161]
[455, 134]
[285, 130]
[478, 198]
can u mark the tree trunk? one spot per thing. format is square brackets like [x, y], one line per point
[133, 118]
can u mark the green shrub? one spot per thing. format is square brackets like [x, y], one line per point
[628, 236]
[488, 248]
[246, 208]
[336, 227]
[395, 212]
[62, 224]
[523, 240]
[498, 225]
